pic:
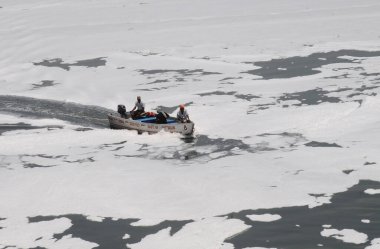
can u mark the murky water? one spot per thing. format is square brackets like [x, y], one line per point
[110, 233]
[306, 65]
[300, 227]
[58, 62]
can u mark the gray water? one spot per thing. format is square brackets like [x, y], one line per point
[109, 233]
[59, 63]
[306, 65]
[300, 227]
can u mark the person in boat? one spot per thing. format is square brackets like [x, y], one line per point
[139, 108]
[182, 115]
[162, 118]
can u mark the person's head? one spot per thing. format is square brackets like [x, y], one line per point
[182, 108]
[138, 98]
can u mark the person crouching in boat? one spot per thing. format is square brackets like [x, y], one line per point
[139, 108]
[182, 115]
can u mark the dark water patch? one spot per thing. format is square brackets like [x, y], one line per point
[230, 78]
[259, 107]
[349, 68]
[318, 96]
[322, 144]
[369, 163]
[310, 97]
[157, 88]
[113, 146]
[179, 79]
[247, 97]
[370, 74]
[118, 148]
[33, 165]
[342, 89]
[216, 93]
[82, 160]
[297, 172]
[83, 129]
[361, 94]
[306, 65]
[1, 220]
[23, 126]
[292, 138]
[201, 58]
[58, 62]
[224, 144]
[27, 164]
[295, 136]
[343, 76]
[300, 227]
[359, 91]
[317, 195]
[284, 134]
[348, 171]
[183, 72]
[118, 143]
[199, 148]
[157, 82]
[44, 156]
[109, 232]
[120, 68]
[18, 126]
[365, 88]
[218, 145]
[44, 83]
[144, 53]
[53, 63]
[85, 115]
[96, 62]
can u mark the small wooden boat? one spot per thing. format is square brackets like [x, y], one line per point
[148, 124]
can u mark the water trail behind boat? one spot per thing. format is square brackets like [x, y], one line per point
[85, 115]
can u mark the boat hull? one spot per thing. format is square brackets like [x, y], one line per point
[117, 122]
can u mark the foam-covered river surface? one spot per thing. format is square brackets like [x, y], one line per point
[285, 152]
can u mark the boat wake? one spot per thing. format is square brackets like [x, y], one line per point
[84, 115]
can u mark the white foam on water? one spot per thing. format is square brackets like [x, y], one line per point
[119, 174]
[371, 191]
[346, 235]
[206, 233]
[264, 217]
[375, 244]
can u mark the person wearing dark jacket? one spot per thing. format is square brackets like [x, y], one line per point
[161, 118]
